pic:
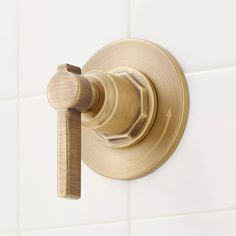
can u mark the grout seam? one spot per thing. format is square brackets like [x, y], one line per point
[183, 214]
[129, 18]
[72, 226]
[211, 70]
[222, 210]
[129, 211]
[4, 232]
[18, 113]
[33, 96]
[8, 99]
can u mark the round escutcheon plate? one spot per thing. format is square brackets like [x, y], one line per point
[173, 106]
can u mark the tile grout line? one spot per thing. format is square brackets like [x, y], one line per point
[183, 214]
[211, 70]
[7, 99]
[221, 210]
[59, 227]
[129, 211]
[123, 221]
[18, 113]
[128, 18]
[4, 232]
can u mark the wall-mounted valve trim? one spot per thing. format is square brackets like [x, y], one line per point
[132, 100]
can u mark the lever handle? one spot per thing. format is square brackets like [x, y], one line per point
[70, 94]
[69, 153]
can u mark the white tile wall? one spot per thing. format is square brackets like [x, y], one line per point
[8, 49]
[69, 31]
[117, 229]
[199, 33]
[200, 175]
[8, 165]
[207, 224]
[103, 199]
[193, 193]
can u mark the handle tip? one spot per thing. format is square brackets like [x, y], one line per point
[69, 196]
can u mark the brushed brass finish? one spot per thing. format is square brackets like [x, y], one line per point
[132, 100]
[155, 148]
[69, 93]
[69, 158]
[129, 107]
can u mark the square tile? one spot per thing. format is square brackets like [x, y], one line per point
[8, 49]
[116, 229]
[209, 224]
[67, 31]
[201, 173]
[199, 33]
[103, 199]
[8, 165]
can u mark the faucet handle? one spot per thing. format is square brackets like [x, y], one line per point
[69, 153]
[70, 94]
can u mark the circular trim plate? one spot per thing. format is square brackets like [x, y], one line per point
[173, 107]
